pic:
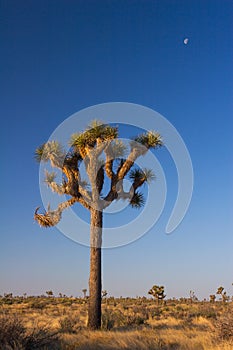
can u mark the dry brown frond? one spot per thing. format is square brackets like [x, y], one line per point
[47, 219]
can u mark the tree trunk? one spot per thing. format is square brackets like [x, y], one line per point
[95, 287]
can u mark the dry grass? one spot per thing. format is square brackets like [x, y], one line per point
[129, 324]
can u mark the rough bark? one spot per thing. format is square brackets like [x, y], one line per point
[95, 286]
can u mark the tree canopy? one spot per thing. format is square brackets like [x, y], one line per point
[104, 155]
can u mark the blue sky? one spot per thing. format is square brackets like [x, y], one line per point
[58, 57]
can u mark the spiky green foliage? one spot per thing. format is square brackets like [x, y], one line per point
[151, 139]
[142, 175]
[49, 180]
[95, 131]
[39, 152]
[137, 201]
[50, 177]
[103, 131]
[48, 150]
[136, 174]
[149, 175]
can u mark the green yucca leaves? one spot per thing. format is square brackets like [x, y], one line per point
[48, 149]
[151, 139]
[96, 130]
[137, 200]
[145, 175]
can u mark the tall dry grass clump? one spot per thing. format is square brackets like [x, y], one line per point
[15, 336]
[224, 326]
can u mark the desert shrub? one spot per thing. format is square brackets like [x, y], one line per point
[108, 321]
[7, 301]
[145, 313]
[41, 338]
[39, 305]
[111, 319]
[208, 312]
[166, 308]
[14, 336]
[179, 308]
[68, 324]
[114, 318]
[134, 320]
[67, 302]
[137, 309]
[204, 311]
[224, 326]
[11, 331]
[125, 307]
[156, 312]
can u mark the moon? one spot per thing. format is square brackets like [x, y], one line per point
[186, 40]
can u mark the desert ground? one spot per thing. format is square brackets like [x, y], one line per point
[29, 322]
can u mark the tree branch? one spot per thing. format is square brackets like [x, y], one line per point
[59, 189]
[52, 217]
[136, 151]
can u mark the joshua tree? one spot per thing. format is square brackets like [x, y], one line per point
[212, 298]
[8, 295]
[84, 293]
[192, 296]
[158, 293]
[49, 293]
[220, 290]
[224, 295]
[104, 293]
[87, 147]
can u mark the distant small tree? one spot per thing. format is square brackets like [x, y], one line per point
[220, 290]
[158, 293]
[224, 295]
[104, 293]
[192, 296]
[84, 293]
[212, 298]
[8, 295]
[49, 293]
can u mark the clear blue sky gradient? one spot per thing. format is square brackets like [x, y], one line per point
[58, 57]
